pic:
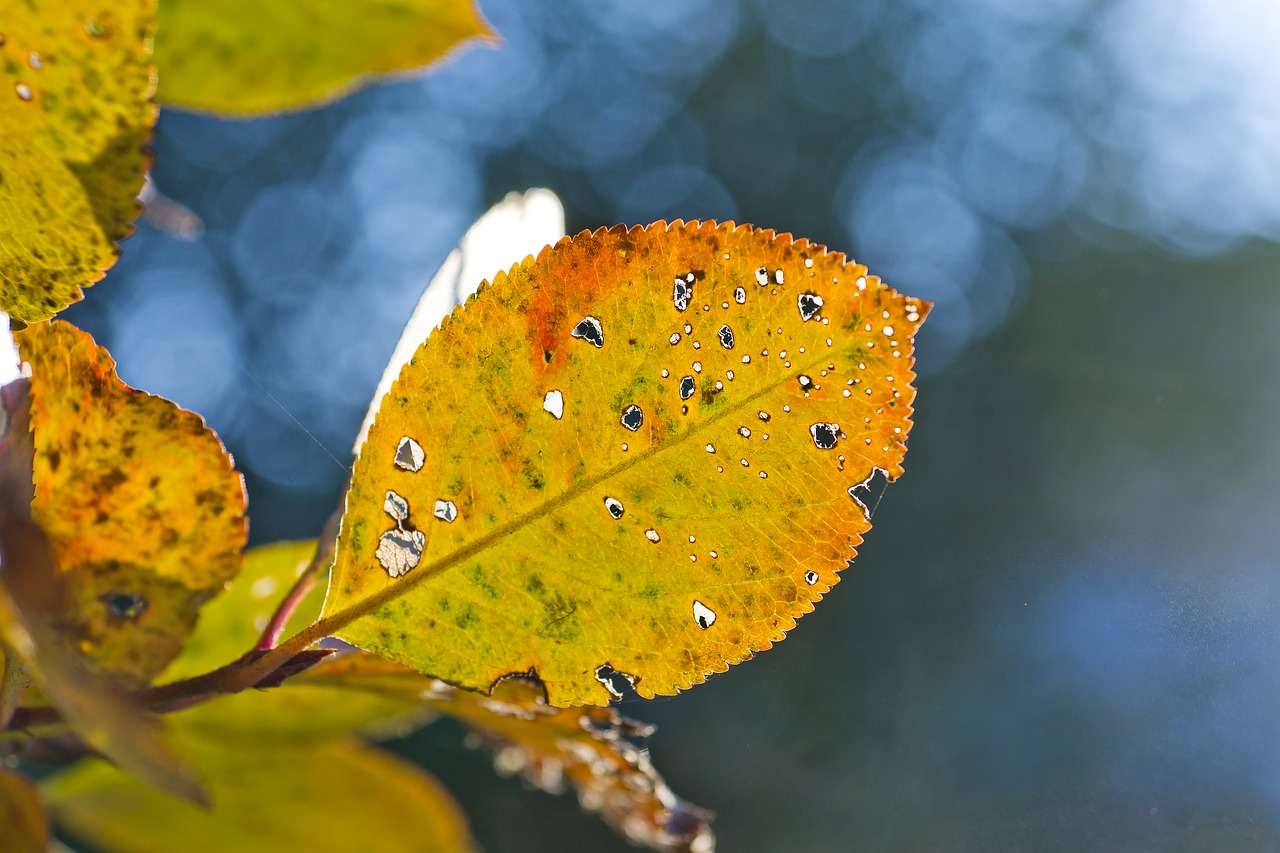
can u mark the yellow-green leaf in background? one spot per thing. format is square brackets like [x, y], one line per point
[242, 57]
[328, 797]
[645, 452]
[76, 110]
[138, 498]
[23, 827]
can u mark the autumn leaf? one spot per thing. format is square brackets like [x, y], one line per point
[242, 58]
[21, 816]
[76, 109]
[643, 452]
[327, 797]
[31, 590]
[139, 500]
[593, 750]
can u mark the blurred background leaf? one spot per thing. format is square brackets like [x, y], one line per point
[26, 829]
[328, 797]
[1064, 632]
[242, 58]
[76, 114]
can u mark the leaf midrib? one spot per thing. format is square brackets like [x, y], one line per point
[334, 622]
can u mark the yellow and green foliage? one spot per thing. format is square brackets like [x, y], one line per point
[628, 462]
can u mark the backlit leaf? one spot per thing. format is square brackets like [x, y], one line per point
[75, 112]
[22, 821]
[327, 797]
[593, 750]
[243, 57]
[138, 498]
[31, 590]
[642, 452]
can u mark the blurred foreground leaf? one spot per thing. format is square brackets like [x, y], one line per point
[75, 112]
[647, 461]
[242, 57]
[327, 797]
[23, 827]
[139, 500]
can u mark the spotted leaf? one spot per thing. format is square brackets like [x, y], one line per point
[243, 57]
[75, 112]
[737, 512]
[138, 498]
[327, 797]
[31, 591]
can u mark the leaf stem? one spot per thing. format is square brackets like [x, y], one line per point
[307, 580]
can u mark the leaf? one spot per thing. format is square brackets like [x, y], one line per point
[21, 816]
[241, 57]
[138, 498]
[635, 452]
[327, 797]
[591, 749]
[76, 110]
[30, 589]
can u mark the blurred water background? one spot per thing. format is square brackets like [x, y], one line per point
[1064, 632]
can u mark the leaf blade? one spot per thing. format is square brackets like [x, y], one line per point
[76, 111]
[241, 58]
[139, 499]
[534, 570]
[327, 797]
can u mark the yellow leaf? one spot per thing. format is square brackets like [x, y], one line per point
[138, 498]
[242, 57]
[30, 593]
[75, 112]
[642, 450]
[23, 827]
[592, 749]
[327, 797]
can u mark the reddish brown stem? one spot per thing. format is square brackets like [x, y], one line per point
[320, 562]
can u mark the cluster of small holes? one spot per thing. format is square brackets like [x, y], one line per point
[825, 435]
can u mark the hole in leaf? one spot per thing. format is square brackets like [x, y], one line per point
[123, 605]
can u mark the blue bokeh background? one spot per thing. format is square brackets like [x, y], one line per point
[1064, 632]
